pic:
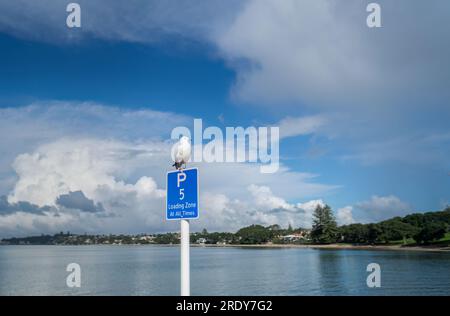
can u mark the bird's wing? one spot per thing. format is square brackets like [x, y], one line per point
[179, 154]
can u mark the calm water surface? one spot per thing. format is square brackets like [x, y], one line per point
[154, 270]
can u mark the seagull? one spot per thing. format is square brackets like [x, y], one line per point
[182, 152]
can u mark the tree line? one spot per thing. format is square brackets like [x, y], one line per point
[423, 228]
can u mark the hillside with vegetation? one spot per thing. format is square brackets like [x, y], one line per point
[413, 229]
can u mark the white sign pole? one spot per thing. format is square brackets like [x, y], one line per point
[185, 278]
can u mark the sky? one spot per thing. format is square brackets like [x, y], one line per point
[86, 113]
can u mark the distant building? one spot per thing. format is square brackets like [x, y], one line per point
[302, 235]
[147, 238]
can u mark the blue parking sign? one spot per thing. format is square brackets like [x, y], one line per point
[182, 194]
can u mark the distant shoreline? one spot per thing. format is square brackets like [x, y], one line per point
[430, 248]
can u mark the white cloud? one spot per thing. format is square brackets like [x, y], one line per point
[264, 198]
[321, 53]
[296, 126]
[102, 171]
[261, 207]
[383, 207]
[96, 168]
[376, 209]
[117, 160]
[23, 129]
[308, 209]
[345, 215]
[289, 184]
[78, 165]
[77, 200]
[21, 223]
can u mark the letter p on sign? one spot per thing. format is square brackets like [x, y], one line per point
[181, 177]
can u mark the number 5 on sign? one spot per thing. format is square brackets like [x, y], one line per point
[181, 177]
[182, 194]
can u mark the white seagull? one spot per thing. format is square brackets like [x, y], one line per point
[182, 152]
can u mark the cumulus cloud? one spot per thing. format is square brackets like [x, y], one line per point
[24, 218]
[21, 206]
[260, 207]
[264, 198]
[77, 200]
[345, 215]
[109, 185]
[22, 129]
[54, 150]
[67, 165]
[383, 207]
[25, 224]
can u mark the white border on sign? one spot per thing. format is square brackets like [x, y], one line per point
[198, 195]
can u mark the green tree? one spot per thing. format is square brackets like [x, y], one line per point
[430, 232]
[415, 219]
[374, 233]
[254, 234]
[168, 238]
[394, 229]
[324, 229]
[289, 230]
[274, 227]
[354, 233]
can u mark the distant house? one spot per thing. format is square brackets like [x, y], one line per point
[201, 240]
[147, 238]
[295, 236]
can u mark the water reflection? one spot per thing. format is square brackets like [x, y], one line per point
[154, 270]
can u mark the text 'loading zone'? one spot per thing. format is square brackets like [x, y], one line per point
[182, 194]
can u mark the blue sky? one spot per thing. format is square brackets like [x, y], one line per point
[122, 84]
